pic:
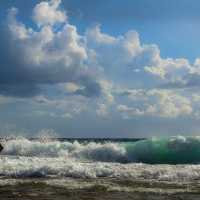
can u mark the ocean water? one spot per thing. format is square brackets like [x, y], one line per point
[55, 168]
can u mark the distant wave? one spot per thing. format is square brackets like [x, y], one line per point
[156, 150]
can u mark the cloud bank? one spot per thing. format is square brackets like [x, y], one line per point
[127, 78]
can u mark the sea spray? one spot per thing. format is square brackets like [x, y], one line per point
[107, 152]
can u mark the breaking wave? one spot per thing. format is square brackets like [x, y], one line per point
[156, 150]
[153, 158]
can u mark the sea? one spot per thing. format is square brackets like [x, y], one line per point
[101, 168]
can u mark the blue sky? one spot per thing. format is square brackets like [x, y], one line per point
[100, 68]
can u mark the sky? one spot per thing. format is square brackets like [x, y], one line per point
[108, 68]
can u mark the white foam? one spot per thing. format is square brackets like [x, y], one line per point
[109, 152]
[35, 166]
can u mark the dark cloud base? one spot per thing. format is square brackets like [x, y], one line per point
[192, 81]
[91, 90]
[28, 91]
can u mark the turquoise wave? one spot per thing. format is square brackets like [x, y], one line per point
[164, 150]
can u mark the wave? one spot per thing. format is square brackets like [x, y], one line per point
[155, 150]
[165, 150]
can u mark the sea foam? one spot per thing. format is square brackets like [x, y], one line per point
[20, 166]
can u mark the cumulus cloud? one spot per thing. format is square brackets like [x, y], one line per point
[122, 56]
[112, 51]
[31, 58]
[123, 107]
[48, 13]
[162, 103]
[175, 73]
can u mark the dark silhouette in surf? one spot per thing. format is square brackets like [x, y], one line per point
[1, 148]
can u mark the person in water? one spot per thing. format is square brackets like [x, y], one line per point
[1, 148]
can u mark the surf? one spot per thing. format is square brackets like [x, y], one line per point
[156, 150]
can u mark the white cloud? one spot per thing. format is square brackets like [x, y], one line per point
[111, 51]
[162, 103]
[123, 55]
[197, 65]
[93, 35]
[102, 111]
[38, 112]
[196, 97]
[157, 71]
[48, 13]
[197, 115]
[73, 87]
[66, 115]
[106, 90]
[126, 117]
[123, 107]
[43, 57]
[5, 100]
[136, 70]
[132, 43]
[138, 112]
[49, 56]
[176, 73]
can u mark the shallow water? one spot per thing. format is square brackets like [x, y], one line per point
[102, 188]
